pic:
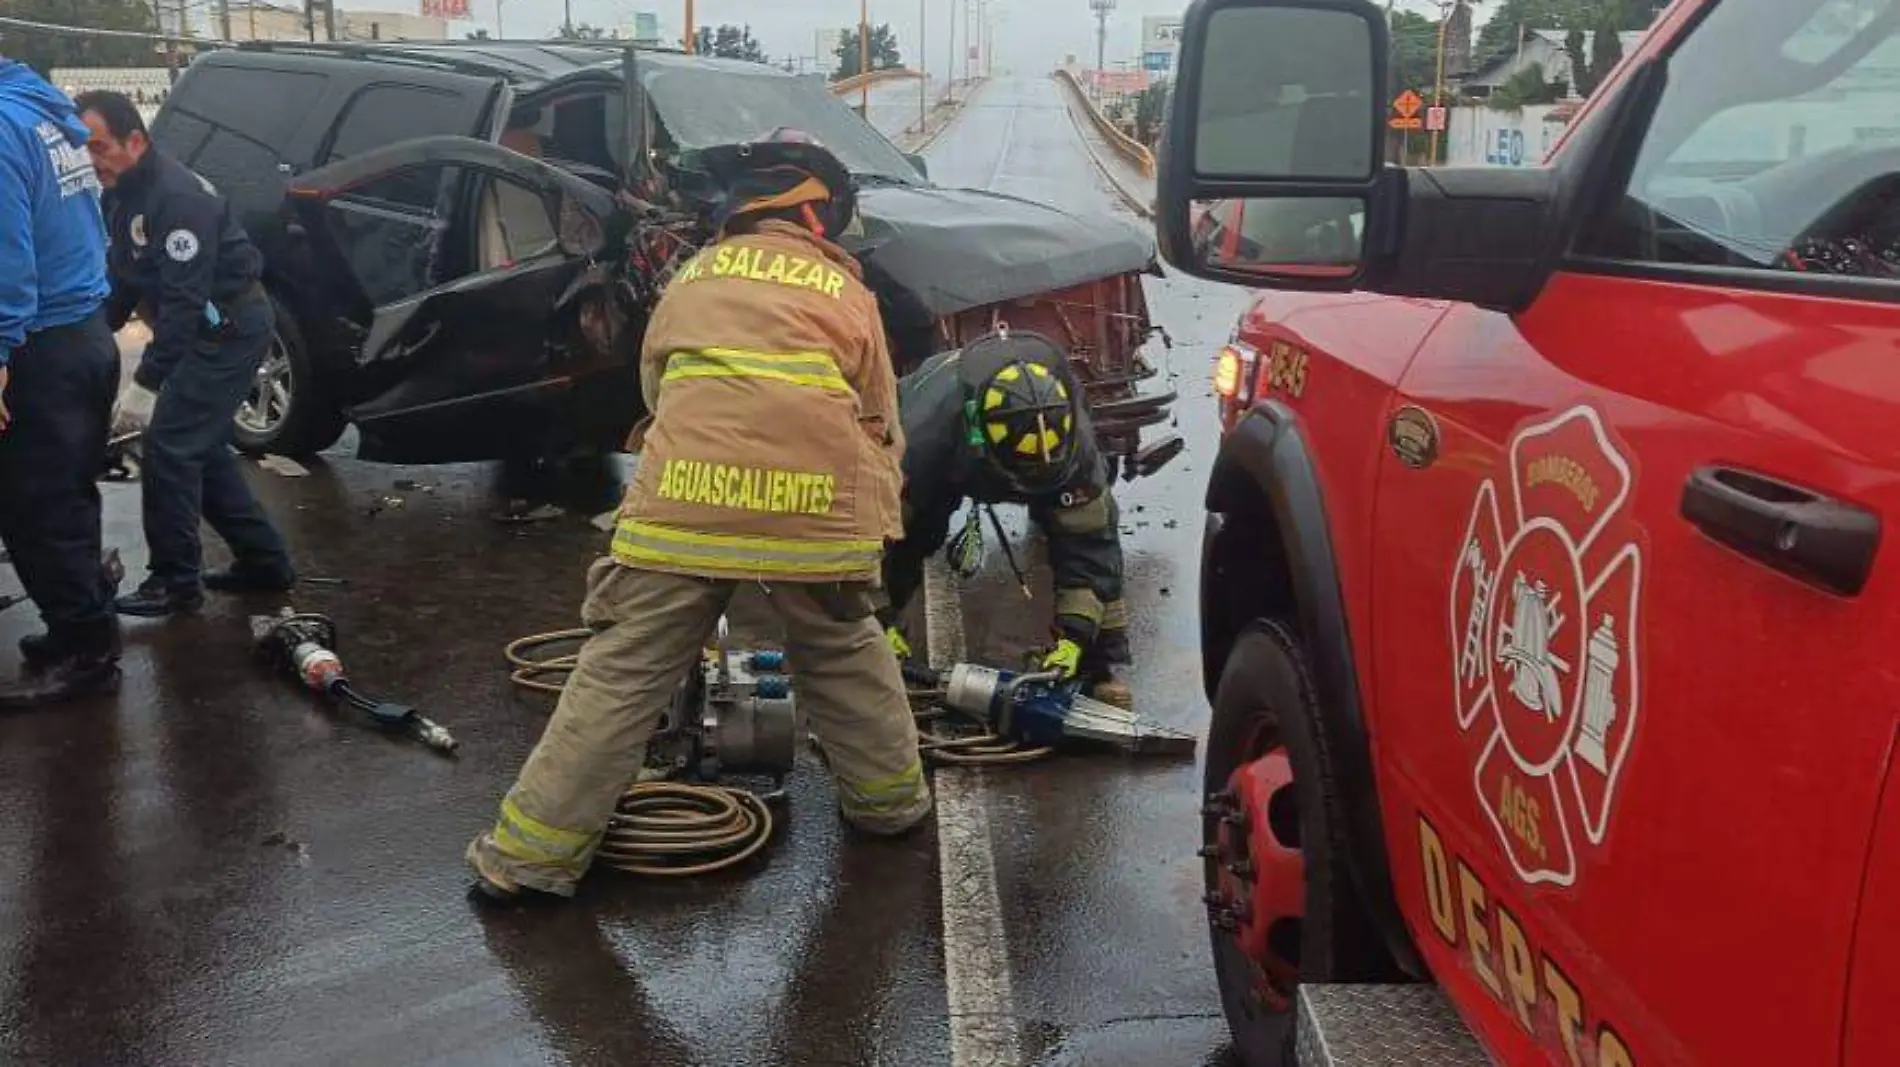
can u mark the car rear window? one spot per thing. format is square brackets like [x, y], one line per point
[384, 114]
[267, 106]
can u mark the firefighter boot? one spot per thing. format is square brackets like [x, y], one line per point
[1105, 687]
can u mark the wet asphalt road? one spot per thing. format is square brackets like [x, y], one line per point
[212, 869]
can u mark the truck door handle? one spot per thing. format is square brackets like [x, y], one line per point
[1819, 540]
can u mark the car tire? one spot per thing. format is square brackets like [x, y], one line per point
[287, 413]
[1266, 730]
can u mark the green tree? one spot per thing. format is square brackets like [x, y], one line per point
[1594, 53]
[884, 53]
[1151, 110]
[478, 35]
[1509, 18]
[729, 42]
[587, 32]
[1414, 60]
[44, 51]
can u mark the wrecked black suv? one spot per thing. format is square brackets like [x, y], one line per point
[464, 239]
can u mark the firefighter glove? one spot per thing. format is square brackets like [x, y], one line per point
[899, 644]
[1065, 659]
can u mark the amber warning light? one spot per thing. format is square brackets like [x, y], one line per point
[1233, 371]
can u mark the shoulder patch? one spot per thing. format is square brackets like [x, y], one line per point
[181, 245]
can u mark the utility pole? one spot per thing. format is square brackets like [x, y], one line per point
[923, 66]
[224, 19]
[692, 34]
[950, 69]
[864, 57]
[1101, 9]
[499, 32]
[567, 19]
[1438, 88]
[969, 38]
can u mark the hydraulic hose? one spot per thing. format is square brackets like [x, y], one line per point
[531, 672]
[679, 830]
[675, 830]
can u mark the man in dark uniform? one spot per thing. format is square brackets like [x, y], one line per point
[58, 372]
[1003, 422]
[177, 250]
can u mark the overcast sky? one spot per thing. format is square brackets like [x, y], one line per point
[1031, 35]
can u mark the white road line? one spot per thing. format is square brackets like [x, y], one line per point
[983, 1030]
[1002, 154]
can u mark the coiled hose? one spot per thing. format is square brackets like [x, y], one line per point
[662, 829]
[530, 673]
[678, 829]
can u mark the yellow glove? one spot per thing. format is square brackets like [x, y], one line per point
[899, 644]
[1065, 659]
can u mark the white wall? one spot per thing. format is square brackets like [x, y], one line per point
[1480, 136]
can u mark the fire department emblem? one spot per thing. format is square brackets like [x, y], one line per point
[1544, 626]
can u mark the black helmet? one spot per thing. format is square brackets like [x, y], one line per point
[1021, 408]
[786, 169]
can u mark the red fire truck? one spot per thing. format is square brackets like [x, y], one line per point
[1546, 616]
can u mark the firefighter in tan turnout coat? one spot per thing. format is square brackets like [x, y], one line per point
[772, 457]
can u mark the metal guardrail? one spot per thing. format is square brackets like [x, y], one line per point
[876, 77]
[1127, 147]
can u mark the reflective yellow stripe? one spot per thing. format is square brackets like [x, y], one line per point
[1115, 615]
[637, 542]
[520, 836]
[816, 370]
[900, 790]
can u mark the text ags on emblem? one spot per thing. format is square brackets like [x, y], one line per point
[1413, 434]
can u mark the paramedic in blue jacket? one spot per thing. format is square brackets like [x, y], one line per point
[177, 251]
[59, 372]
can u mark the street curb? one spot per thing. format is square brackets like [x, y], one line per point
[1131, 198]
[932, 137]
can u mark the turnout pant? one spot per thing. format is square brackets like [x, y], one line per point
[650, 628]
[63, 381]
[190, 471]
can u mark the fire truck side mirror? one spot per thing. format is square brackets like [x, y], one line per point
[1272, 174]
[1273, 161]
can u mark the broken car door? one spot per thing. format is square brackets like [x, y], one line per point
[491, 332]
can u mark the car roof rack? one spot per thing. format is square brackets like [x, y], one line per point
[514, 60]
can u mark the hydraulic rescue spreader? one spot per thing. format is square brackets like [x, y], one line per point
[301, 645]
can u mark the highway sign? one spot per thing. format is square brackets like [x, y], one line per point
[1435, 118]
[1407, 104]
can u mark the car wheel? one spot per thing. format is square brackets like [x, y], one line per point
[286, 412]
[1281, 904]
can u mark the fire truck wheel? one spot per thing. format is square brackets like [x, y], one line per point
[1281, 905]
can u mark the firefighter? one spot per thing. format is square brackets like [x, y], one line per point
[1003, 421]
[58, 372]
[177, 250]
[771, 458]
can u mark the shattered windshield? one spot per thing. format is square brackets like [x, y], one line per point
[703, 106]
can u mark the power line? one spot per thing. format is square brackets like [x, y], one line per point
[54, 29]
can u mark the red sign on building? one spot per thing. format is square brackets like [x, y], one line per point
[445, 9]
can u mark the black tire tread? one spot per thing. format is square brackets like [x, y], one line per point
[1339, 942]
[314, 423]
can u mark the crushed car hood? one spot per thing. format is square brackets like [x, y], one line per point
[956, 249]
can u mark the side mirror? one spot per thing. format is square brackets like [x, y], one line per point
[918, 161]
[1273, 171]
[1273, 157]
